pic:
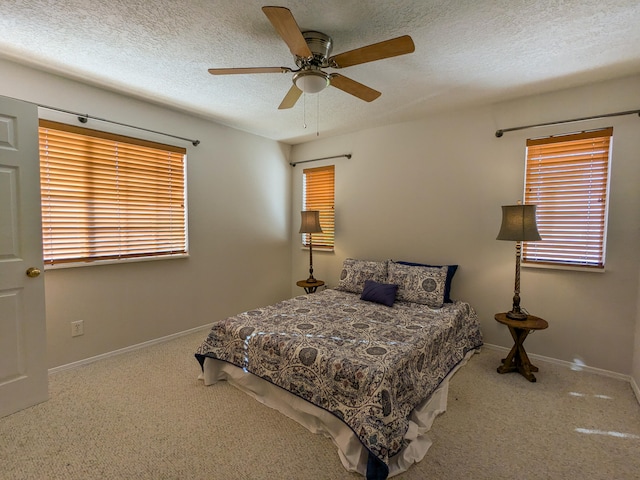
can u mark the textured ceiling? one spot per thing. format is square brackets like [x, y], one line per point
[468, 52]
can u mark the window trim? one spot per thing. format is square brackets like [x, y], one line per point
[326, 240]
[159, 179]
[550, 163]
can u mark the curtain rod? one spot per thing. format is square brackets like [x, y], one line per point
[346, 155]
[83, 118]
[499, 133]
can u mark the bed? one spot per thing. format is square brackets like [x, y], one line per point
[366, 363]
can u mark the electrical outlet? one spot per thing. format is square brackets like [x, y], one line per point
[77, 328]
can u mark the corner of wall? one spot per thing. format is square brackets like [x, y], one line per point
[636, 390]
[635, 366]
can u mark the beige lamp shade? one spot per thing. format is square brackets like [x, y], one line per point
[519, 223]
[310, 222]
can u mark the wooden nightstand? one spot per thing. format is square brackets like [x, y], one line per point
[310, 287]
[517, 360]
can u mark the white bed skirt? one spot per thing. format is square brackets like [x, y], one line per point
[351, 451]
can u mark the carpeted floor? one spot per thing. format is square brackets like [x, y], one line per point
[144, 415]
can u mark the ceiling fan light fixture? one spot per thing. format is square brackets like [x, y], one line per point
[311, 81]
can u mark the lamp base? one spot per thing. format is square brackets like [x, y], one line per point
[513, 315]
[311, 279]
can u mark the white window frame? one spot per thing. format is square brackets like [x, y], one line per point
[325, 240]
[570, 185]
[153, 252]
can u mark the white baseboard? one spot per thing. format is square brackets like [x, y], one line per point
[570, 365]
[156, 341]
[131, 348]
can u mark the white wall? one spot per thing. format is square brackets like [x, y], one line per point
[238, 194]
[431, 190]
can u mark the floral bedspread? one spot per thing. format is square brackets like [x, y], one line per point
[366, 363]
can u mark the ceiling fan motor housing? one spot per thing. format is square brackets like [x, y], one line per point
[320, 45]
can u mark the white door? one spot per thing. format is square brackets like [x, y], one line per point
[23, 365]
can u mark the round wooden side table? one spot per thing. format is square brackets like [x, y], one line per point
[518, 360]
[310, 287]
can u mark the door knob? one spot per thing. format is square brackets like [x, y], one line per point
[33, 272]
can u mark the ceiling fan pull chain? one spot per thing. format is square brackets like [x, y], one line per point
[304, 110]
[317, 115]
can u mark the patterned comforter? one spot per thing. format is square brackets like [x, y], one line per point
[366, 363]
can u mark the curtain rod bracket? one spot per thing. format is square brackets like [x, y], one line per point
[346, 155]
[83, 119]
[501, 132]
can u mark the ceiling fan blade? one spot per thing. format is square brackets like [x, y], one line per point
[236, 71]
[354, 88]
[290, 98]
[284, 23]
[377, 51]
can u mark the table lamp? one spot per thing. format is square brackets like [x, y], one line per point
[310, 224]
[519, 225]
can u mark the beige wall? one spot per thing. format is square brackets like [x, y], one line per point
[238, 194]
[431, 190]
[428, 190]
[635, 372]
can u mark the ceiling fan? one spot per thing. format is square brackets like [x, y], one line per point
[312, 52]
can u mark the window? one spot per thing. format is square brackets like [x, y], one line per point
[107, 196]
[318, 194]
[567, 177]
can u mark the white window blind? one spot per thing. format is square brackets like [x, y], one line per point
[319, 194]
[567, 177]
[107, 196]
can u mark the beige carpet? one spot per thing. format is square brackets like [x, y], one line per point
[144, 415]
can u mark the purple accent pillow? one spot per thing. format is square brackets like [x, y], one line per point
[384, 293]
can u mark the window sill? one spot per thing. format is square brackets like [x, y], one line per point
[96, 263]
[318, 249]
[562, 267]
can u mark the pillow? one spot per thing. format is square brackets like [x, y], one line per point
[384, 293]
[450, 273]
[419, 284]
[356, 272]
